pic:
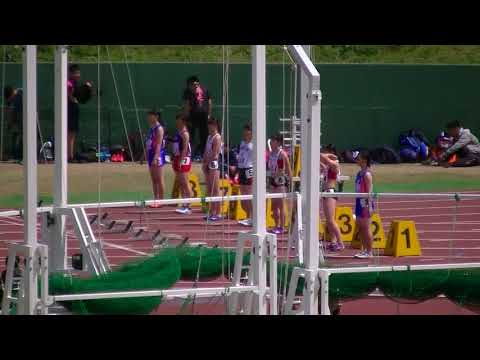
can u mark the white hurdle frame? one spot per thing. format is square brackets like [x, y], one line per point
[325, 273]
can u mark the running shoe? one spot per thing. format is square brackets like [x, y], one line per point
[184, 211]
[246, 222]
[214, 218]
[363, 255]
[335, 247]
[276, 231]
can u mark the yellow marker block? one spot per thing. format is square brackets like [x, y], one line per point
[346, 223]
[403, 240]
[194, 186]
[236, 210]
[379, 240]
[225, 191]
[297, 161]
[270, 218]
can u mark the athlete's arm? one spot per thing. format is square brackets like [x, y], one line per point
[217, 143]
[369, 182]
[287, 164]
[159, 142]
[185, 140]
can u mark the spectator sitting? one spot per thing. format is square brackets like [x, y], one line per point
[442, 144]
[466, 146]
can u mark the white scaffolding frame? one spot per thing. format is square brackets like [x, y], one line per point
[310, 108]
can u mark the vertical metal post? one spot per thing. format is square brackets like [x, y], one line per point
[259, 185]
[58, 244]
[311, 125]
[30, 171]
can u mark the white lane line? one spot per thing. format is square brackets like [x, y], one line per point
[71, 235]
[114, 246]
[431, 208]
[428, 215]
[449, 231]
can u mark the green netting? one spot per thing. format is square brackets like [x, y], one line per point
[352, 286]
[164, 269]
[463, 287]
[281, 278]
[413, 285]
[208, 263]
[159, 272]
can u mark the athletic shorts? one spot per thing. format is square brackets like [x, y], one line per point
[279, 181]
[246, 176]
[363, 209]
[182, 166]
[151, 157]
[331, 191]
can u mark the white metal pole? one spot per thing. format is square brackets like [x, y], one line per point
[30, 172]
[310, 178]
[58, 244]
[259, 109]
[30, 143]
[305, 114]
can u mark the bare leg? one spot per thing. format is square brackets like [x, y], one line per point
[184, 187]
[247, 205]
[154, 177]
[160, 183]
[276, 206]
[329, 207]
[366, 234]
[214, 176]
[71, 144]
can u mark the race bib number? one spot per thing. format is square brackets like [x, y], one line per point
[213, 165]
[280, 180]
[185, 161]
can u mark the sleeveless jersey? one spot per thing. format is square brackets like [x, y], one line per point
[178, 144]
[275, 163]
[245, 153]
[209, 146]
[152, 143]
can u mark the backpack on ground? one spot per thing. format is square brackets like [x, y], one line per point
[413, 147]
[117, 154]
[385, 155]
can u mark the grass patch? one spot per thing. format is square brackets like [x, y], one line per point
[129, 182]
[401, 54]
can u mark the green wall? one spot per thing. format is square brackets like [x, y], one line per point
[363, 105]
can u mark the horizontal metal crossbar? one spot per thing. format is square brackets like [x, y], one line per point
[373, 269]
[447, 196]
[166, 294]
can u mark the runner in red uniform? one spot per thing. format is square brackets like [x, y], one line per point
[182, 162]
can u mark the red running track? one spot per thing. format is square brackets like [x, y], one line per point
[448, 233]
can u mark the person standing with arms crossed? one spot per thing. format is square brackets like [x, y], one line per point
[198, 110]
[77, 94]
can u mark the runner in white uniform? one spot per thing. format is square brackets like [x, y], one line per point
[211, 167]
[280, 173]
[245, 166]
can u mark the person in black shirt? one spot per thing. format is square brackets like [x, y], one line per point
[73, 109]
[198, 110]
[14, 112]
